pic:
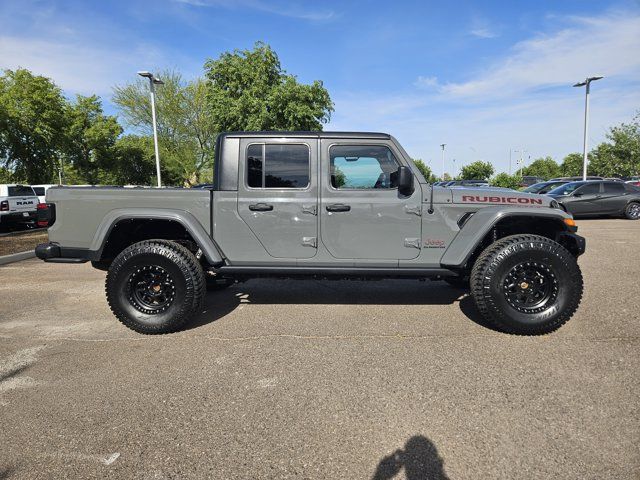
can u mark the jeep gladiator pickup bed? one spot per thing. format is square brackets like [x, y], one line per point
[317, 204]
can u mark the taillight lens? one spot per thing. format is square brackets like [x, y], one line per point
[4, 206]
[43, 215]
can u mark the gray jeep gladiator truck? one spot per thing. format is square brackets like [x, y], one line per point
[320, 205]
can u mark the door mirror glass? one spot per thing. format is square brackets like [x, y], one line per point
[405, 180]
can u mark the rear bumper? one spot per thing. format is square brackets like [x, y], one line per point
[54, 253]
[16, 217]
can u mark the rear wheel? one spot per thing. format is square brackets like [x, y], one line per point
[632, 211]
[155, 286]
[526, 284]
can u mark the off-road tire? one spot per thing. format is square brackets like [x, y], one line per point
[632, 211]
[556, 272]
[159, 262]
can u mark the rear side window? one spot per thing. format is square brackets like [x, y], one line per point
[21, 191]
[277, 166]
[39, 191]
[616, 188]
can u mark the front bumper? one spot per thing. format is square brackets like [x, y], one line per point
[572, 242]
[54, 253]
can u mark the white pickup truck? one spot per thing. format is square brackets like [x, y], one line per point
[18, 203]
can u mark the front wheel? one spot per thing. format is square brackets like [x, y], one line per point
[155, 286]
[526, 284]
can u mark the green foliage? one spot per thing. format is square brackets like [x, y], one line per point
[249, 90]
[186, 130]
[6, 175]
[478, 170]
[91, 137]
[339, 178]
[446, 177]
[507, 181]
[33, 123]
[545, 167]
[572, 165]
[425, 170]
[620, 156]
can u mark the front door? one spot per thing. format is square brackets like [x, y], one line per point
[585, 200]
[278, 194]
[362, 214]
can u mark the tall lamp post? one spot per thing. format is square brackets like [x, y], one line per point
[587, 84]
[443, 145]
[153, 81]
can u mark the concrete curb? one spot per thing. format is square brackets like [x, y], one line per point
[16, 257]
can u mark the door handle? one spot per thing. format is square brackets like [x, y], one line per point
[338, 207]
[260, 207]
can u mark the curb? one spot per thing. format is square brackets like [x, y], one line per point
[17, 257]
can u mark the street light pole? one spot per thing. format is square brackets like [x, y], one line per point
[443, 145]
[153, 81]
[586, 84]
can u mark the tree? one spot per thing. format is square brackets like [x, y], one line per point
[478, 170]
[506, 181]
[425, 170]
[134, 159]
[249, 90]
[620, 156]
[545, 167]
[571, 165]
[186, 130]
[6, 176]
[32, 125]
[91, 136]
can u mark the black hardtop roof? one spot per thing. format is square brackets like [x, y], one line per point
[314, 134]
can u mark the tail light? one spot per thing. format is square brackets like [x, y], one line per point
[4, 206]
[46, 214]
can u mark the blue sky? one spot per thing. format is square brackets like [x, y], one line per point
[482, 77]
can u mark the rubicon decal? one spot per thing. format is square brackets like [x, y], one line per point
[486, 199]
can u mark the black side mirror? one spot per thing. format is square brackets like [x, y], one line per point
[578, 194]
[405, 180]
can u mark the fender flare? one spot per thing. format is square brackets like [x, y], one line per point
[210, 250]
[482, 221]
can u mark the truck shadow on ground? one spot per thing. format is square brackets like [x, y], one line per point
[419, 458]
[335, 292]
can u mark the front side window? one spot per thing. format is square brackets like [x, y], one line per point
[277, 166]
[363, 167]
[589, 189]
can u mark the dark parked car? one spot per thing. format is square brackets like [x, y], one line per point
[575, 179]
[528, 180]
[544, 187]
[593, 198]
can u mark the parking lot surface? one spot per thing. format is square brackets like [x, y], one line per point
[321, 379]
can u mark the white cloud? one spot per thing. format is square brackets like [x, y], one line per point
[481, 28]
[427, 82]
[285, 9]
[522, 101]
[607, 45]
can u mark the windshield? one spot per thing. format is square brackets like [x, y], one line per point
[566, 189]
[535, 188]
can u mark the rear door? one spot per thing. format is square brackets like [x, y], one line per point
[22, 199]
[278, 194]
[362, 214]
[614, 197]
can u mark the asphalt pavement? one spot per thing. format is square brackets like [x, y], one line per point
[321, 379]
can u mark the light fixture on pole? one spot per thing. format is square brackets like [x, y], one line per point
[443, 145]
[587, 84]
[153, 81]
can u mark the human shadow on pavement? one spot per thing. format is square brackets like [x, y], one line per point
[419, 458]
[334, 292]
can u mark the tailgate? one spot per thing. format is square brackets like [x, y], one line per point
[23, 204]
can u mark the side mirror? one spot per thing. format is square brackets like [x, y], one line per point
[405, 180]
[578, 194]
